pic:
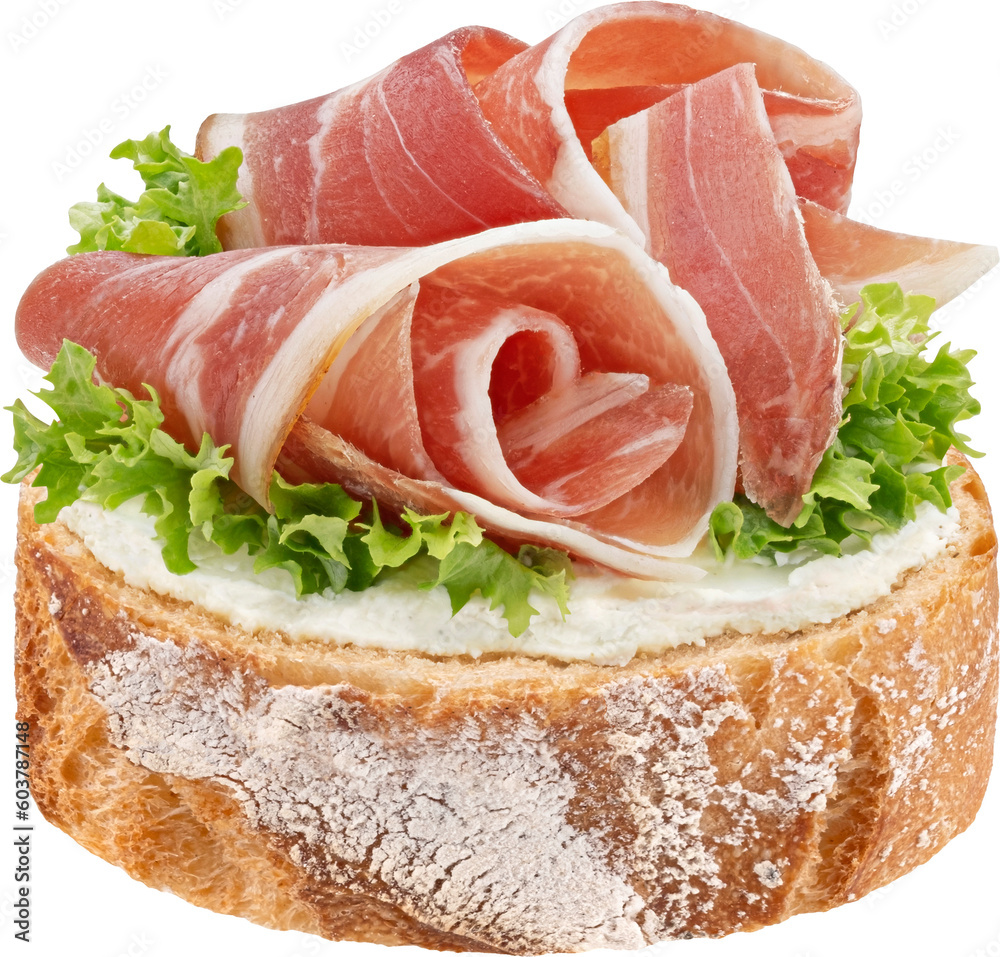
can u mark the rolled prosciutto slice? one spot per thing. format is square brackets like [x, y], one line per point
[547, 377]
[474, 130]
[613, 61]
[402, 158]
[477, 130]
[703, 176]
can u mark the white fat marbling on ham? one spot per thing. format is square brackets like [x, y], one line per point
[367, 394]
[367, 165]
[323, 399]
[293, 309]
[572, 179]
[248, 228]
[601, 393]
[470, 362]
[404, 157]
[627, 46]
[722, 215]
[190, 360]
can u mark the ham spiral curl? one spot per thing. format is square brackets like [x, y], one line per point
[584, 405]
[519, 133]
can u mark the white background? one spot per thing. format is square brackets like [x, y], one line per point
[105, 70]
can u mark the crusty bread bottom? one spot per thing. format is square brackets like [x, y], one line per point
[507, 803]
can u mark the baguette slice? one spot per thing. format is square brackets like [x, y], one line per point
[508, 804]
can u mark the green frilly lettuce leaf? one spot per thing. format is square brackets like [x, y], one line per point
[106, 446]
[175, 215]
[900, 415]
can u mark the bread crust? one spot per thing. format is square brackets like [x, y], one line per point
[507, 803]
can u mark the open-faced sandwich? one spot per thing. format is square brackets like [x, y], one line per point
[507, 504]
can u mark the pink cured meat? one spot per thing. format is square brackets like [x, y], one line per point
[703, 175]
[294, 313]
[543, 467]
[850, 255]
[176, 324]
[815, 114]
[592, 111]
[376, 367]
[411, 157]
[403, 158]
[414, 388]
[543, 442]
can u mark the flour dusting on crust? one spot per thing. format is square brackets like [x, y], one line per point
[467, 831]
[477, 822]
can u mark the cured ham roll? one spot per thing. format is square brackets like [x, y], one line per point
[851, 255]
[547, 377]
[549, 102]
[403, 158]
[373, 164]
[524, 133]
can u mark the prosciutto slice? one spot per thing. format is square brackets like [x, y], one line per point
[594, 380]
[478, 130]
[610, 62]
[402, 158]
[472, 130]
[562, 454]
[422, 387]
[702, 174]
[851, 255]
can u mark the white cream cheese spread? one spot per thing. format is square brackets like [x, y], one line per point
[611, 618]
